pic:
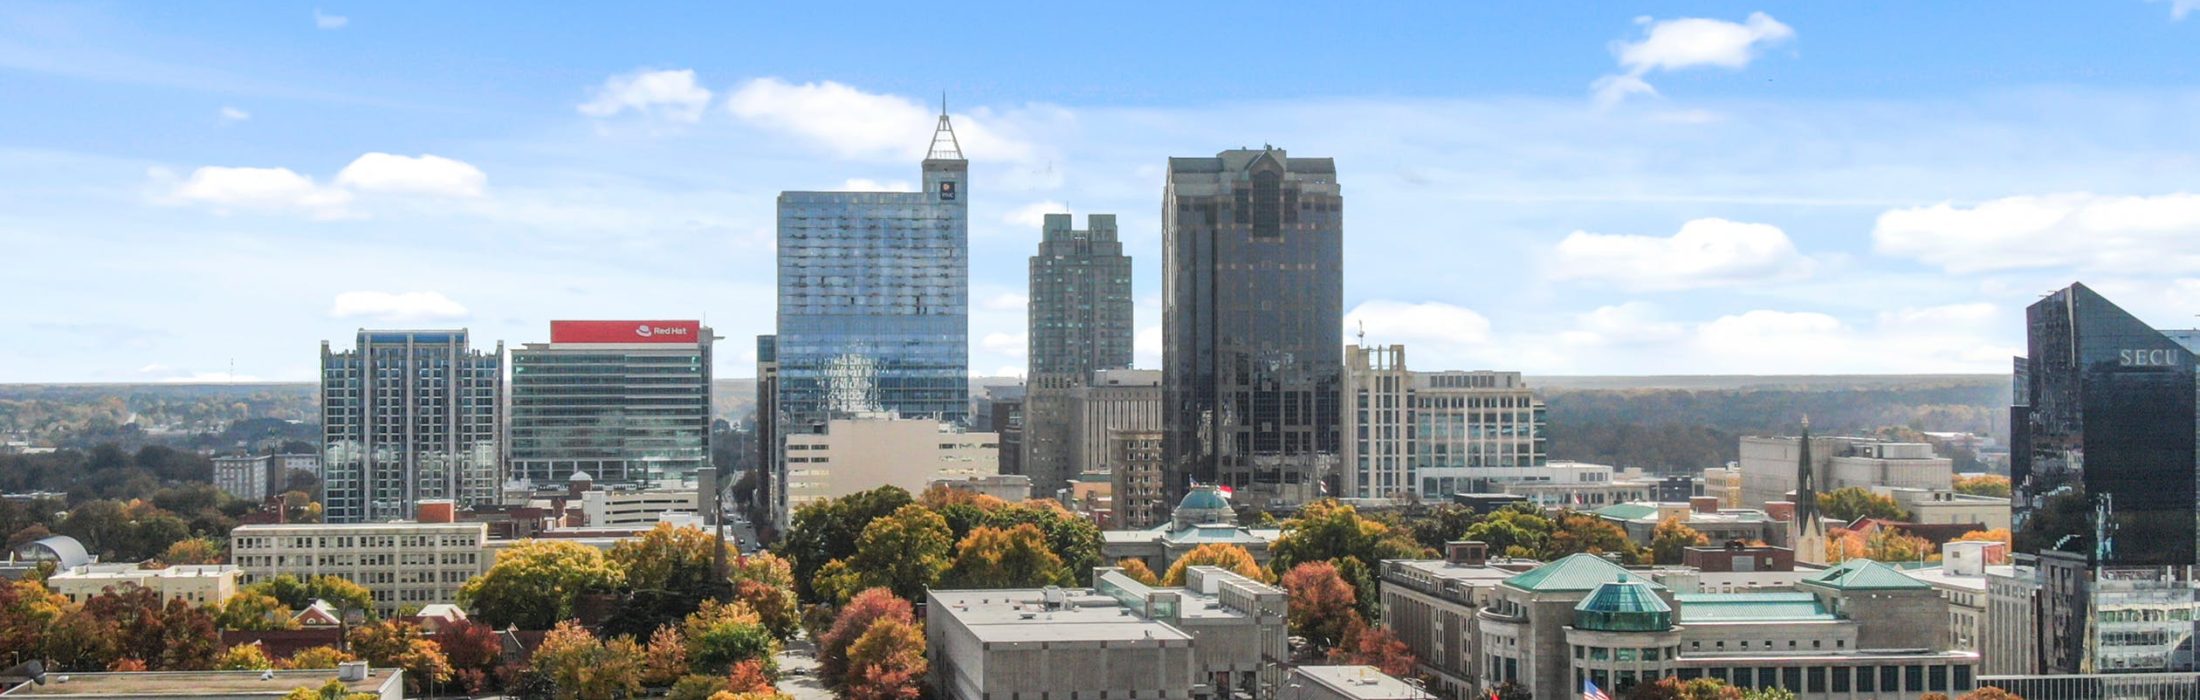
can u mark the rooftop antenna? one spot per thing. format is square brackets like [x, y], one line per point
[1363, 332]
[944, 144]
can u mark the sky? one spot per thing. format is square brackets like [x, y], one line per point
[204, 191]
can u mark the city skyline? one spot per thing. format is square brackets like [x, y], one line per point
[1841, 185]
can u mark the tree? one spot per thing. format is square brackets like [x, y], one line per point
[1327, 529]
[827, 531]
[189, 641]
[1509, 690]
[27, 612]
[81, 641]
[720, 635]
[1990, 693]
[1670, 688]
[1227, 556]
[903, 552]
[320, 657]
[1013, 558]
[1586, 533]
[665, 660]
[1075, 539]
[671, 558]
[1375, 646]
[1138, 571]
[584, 668]
[1776, 694]
[1848, 504]
[398, 644]
[243, 657]
[196, 550]
[1441, 524]
[1514, 531]
[1671, 538]
[296, 594]
[334, 689]
[1999, 534]
[254, 610]
[862, 611]
[1323, 607]
[470, 646]
[886, 663]
[765, 583]
[1983, 485]
[536, 583]
[749, 677]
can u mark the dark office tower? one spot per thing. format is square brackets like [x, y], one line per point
[408, 415]
[769, 478]
[1080, 322]
[2104, 472]
[625, 402]
[1253, 293]
[874, 297]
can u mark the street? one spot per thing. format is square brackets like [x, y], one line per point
[801, 654]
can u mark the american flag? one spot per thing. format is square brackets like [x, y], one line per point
[1589, 691]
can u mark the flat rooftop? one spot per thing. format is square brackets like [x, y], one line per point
[1358, 682]
[1497, 570]
[192, 684]
[1021, 615]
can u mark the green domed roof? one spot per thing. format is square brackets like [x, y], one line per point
[1204, 498]
[1623, 606]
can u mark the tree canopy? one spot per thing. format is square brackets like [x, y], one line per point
[536, 583]
[1227, 556]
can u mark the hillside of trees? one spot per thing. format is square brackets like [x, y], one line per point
[1687, 430]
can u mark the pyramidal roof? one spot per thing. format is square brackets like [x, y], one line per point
[1865, 574]
[1578, 572]
[944, 144]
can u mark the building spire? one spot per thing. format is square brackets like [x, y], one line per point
[944, 145]
[1806, 486]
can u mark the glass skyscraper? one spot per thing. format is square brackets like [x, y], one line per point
[1253, 293]
[2103, 462]
[874, 297]
[1079, 322]
[408, 415]
[608, 399]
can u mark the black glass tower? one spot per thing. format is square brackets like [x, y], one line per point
[1253, 318]
[2107, 468]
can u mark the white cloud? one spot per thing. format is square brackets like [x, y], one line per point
[1692, 42]
[1034, 215]
[2083, 231]
[1146, 349]
[328, 21]
[1431, 323]
[1010, 344]
[856, 124]
[864, 184]
[230, 115]
[1629, 323]
[672, 95]
[261, 189]
[421, 175]
[2179, 8]
[396, 307]
[1704, 253]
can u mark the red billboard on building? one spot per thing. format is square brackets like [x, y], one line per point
[626, 331]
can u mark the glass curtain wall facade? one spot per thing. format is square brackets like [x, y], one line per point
[874, 299]
[1079, 323]
[2103, 462]
[622, 414]
[1253, 296]
[408, 415]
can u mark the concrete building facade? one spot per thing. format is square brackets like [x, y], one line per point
[401, 563]
[863, 452]
[194, 584]
[1113, 400]
[1768, 466]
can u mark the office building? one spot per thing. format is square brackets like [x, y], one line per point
[1220, 636]
[1346, 683]
[866, 451]
[1702, 514]
[632, 506]
[401, 563]
[2103, 468]
[1080, 322]
[628, 402]
[1426, 435]
[1768, 466]
[874, 298]
[1001, 412]
[1432, 606]
[1961, 578]
[1137, 462]
[254, 477]
[771, 486]
[409, 415]
[1378, 436]
[1252, 290]
[195, 584]
[1114, 400]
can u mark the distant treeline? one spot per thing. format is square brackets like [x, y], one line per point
[1688, 430]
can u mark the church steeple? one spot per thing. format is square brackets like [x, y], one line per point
[944, 145]
[1807, 517]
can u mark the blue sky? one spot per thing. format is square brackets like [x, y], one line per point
[204, 191]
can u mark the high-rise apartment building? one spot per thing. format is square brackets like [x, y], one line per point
[627, 402]
[409, 415]
[1428, 435]
[769, 484]
[874, 297]
[1253, 295]
[2104, 466]
[1080, 322]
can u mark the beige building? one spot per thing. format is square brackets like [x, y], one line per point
[1768, 466]
[1013, 488]
[401, 563]
[1116, 399]
[644, 507]
[1137, 458]
[197, 585]
[1961, 578]
[878, 449]
[1949, 507]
